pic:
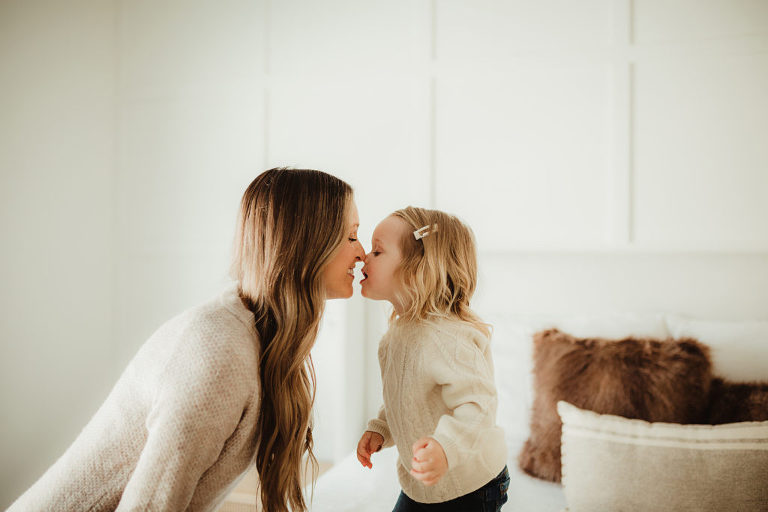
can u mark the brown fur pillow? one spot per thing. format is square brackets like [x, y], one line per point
[648, 379]
[731, 402]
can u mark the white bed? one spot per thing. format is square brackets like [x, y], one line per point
[349, 487]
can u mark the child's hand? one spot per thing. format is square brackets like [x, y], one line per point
[370, 443]
[429, 463]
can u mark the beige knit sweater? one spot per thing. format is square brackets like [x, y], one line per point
[177, 430]
[438, 382]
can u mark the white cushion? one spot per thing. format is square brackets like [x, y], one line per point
[739, 350]
[614, 463]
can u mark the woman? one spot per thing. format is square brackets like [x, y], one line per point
[229, 382]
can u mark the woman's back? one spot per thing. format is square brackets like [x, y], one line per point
[177, 429]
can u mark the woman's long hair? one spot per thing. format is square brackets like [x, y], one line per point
[290, 225]
[438, 272]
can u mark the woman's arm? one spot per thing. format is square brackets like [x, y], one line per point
[198, 404]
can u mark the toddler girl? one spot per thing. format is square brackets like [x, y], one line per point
[439, 393]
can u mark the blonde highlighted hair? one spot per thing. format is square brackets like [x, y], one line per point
[438, 272]
[290, 225]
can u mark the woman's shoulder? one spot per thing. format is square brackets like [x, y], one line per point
[217, 327]
[225, 308]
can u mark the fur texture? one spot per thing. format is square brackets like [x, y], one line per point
[731, 402]
[654, 380]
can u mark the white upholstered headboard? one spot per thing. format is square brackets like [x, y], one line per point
[711, 286]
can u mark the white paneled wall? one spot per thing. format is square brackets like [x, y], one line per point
[699, 125]
[695, 22]
[609, 125]
[190, 138]
[371, 131]
[524, 101]
[495, 33]
[524, 161]
[700, 151]
[610, 155]
[349, 92]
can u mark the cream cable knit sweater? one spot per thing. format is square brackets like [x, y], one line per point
[177, 430]
[438, 382]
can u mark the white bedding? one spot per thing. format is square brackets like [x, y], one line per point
[349, 487]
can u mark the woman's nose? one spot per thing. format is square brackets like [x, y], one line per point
[360, 254]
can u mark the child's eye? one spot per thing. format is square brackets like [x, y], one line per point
[353, 240]
[376, 253]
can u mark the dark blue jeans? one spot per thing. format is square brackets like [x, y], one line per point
[488, 498]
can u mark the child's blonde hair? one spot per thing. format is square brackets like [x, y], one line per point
[438, 272]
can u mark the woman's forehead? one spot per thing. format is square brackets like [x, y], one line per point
[353, 218]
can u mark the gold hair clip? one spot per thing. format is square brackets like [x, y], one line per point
[422, 231]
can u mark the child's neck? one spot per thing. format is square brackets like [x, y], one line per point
[399, 308]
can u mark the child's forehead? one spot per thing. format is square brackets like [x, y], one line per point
[389, 230]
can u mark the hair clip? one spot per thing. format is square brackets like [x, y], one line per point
[422, 231]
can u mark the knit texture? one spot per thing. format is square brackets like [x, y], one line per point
[438, 382]
[177, 430]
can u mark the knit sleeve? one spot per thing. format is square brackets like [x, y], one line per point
[467, 388]
[380, 426]
[200, 398]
